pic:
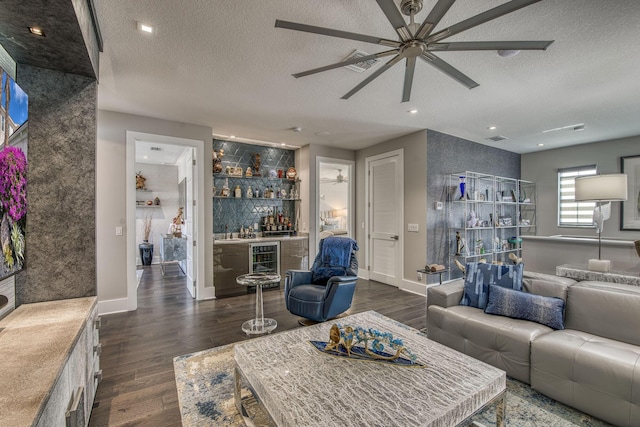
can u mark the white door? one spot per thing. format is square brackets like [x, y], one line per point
[190, 223]
[385, 218]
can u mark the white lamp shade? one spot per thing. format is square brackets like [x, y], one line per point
[602, 188]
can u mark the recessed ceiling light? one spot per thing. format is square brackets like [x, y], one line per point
[231, 136]
[283, 144]
[145, 28]
[296, 129]
[541, 145]
[492, 127]
[37, 31]
[414, 111]
[145, 157]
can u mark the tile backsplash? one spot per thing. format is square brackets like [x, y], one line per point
[232, 213]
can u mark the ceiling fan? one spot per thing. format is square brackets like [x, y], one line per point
[418, 40]
[337, 180]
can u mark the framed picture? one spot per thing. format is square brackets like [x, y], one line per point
[630, 210]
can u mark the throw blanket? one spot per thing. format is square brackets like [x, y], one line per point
[336, 251]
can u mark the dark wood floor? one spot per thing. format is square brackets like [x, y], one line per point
[138, 386]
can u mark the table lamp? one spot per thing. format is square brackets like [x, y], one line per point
[599, 189]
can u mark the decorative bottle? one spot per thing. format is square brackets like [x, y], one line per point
[249, 193]
[238, 192]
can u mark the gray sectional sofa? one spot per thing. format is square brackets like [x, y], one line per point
[593, 364]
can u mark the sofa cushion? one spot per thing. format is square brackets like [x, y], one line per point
[480, 275]
[546, 285]
[605, 309]
[497, 340]
[596, 375]
[521, 305]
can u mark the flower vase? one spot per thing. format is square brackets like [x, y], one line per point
[146, 252]
[462, 187]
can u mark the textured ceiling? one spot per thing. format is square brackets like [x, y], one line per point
[223, 64]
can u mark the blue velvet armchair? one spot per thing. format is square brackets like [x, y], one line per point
[327, 290]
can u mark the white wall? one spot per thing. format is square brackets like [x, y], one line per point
[111, 189]
[162, 181]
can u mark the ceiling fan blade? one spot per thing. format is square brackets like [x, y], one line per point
[395, 18]
[393, 61]
[481, 18]
[449, 70]
[514, 45]
[347, 62]
[434, 17]
[336, 33]
[408, 79]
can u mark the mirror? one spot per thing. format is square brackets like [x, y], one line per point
[335, 183]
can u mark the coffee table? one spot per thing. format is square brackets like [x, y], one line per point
[300, 386]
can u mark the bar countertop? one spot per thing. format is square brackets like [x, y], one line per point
[35, 343]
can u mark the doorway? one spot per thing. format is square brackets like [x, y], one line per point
[334, 197]
[385, 213]
[175, 181]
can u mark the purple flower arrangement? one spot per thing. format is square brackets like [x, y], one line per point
[13, 208]
[13, 182]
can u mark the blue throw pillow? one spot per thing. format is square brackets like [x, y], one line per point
[322, 274]
[522, 305]
[479, 276]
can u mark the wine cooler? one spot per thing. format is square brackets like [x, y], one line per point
[265, 258]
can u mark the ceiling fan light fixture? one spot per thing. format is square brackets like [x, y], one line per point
[509, 53]
[492, 127]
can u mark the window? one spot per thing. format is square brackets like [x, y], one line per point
[570, 212]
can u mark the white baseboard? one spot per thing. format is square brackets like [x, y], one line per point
[208, 293]
[113, 306]
[413, 287]
[363, 274]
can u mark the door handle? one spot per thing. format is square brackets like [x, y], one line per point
[395, 237]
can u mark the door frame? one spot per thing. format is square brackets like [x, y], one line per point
[367, 221]
[130, 194]
[350, 165]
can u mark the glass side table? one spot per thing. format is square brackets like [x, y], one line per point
[260, 324]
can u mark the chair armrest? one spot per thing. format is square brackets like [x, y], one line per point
[338, 281]
[294, 278]
[446, 295]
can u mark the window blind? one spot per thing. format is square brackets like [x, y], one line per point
[570, 212]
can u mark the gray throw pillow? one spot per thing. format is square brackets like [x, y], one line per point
[521, 305]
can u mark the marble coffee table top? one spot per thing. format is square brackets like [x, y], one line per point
[299, 385]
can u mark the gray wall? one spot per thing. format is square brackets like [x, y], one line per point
[111, 189]
[61, 228]
[415, 199]
[449, 154]
[542, 168]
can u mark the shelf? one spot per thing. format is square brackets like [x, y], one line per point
[147, 206]
[267, 178]
[498, 216]
[275, 199]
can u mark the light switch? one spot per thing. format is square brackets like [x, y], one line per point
[413, 227]
[118, 231]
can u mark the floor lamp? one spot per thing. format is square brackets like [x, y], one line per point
[599, 189]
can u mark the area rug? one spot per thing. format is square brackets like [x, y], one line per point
[205, 383]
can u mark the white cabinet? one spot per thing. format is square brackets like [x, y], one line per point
[50, 351]
[487, 215]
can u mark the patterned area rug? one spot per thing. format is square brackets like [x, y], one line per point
[205, 382]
